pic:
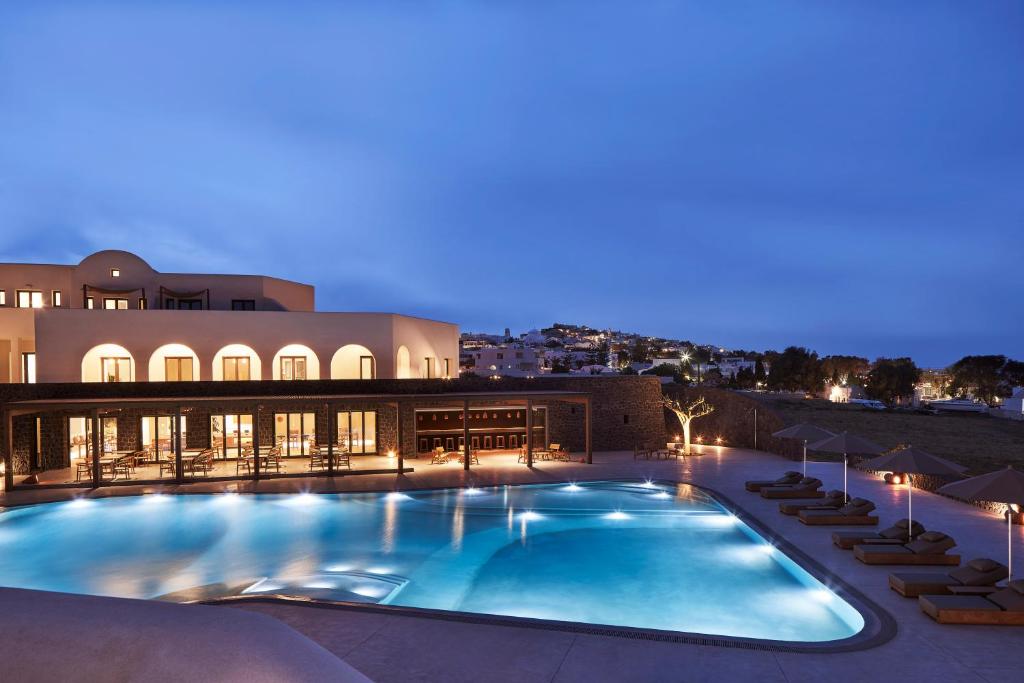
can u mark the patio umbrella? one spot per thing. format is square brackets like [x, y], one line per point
[1004, 486]
[805, 432]
[846, 443]
[910, 460]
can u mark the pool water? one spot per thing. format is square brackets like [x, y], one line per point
[635, 554]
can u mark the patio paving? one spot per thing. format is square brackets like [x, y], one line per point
[393, 647]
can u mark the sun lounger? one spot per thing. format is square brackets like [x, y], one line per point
[1004, 607]
[979, 572]
[855, 513]
[929, 548]
[805, 488]
[833, 500]
[894, 535]
[787, 478]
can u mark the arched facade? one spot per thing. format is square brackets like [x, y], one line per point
[108, 363]
[353, 361]
[236, 362]
[296, 361]
[174, 363]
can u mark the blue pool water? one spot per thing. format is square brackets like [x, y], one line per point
[617, 553]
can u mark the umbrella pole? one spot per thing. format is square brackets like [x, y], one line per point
[910, 510]
[1009, 543]
[845, 494]
[805, 457]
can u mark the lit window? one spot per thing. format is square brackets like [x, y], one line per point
[3, 297]
[56, 298]
[115, 272]
[293, 367]
[115, 369]
[29, 299]
[178, 369]
[90, 302]
[28, 368]
[142, 303]
[112, 304]
[236, 368]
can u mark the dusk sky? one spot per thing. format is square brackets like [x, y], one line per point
[844, 176]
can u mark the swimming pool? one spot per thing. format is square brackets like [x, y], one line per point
[629, 554]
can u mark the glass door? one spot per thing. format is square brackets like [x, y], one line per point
[295, 432]
[229, 434]
[158, 435]
[79, 438]
[357, 431]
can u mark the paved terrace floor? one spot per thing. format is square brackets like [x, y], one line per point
[389, 647]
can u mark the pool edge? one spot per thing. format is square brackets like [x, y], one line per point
[879, 626]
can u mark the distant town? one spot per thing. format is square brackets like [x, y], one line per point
[986, 383]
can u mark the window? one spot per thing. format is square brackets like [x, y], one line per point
[243, 305]
[114, 304]
[293, 367]
[447, 367]
[178, 369]
[30, 299]
[357, 431]
[170, 304]
[28, 368]
[190, 304]
[55, 298]
[367, 370]
[229, 434]
[116, 369]
[236, 368]
[90, 302]
[3, 297]
[428, 364]
[142, 303]
[115, 272]
[294, 432]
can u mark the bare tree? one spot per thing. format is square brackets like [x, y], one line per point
[687, 413]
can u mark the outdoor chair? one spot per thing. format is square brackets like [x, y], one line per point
[167, 465]
[894, 535]
[805, 488]
[978, 573]
[929, 548]
[833, 500]
[473, 459]
[342, 458]
[855, 513]
[1000, 607]
[84, 467]
[123, 465]
[439, 456]
[203, 463]
[787, 478]
[272, 460]
[317, 458]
